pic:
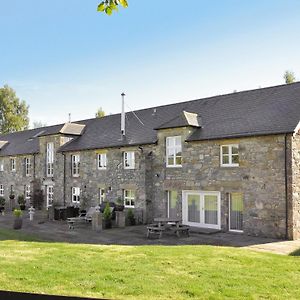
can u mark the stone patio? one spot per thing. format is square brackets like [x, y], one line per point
[58, 231]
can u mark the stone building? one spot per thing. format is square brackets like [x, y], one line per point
[227, 162]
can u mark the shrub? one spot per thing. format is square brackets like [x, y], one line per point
[2, 201]
[130, 217]
[107, 216]
[17, 213]
[21, 200]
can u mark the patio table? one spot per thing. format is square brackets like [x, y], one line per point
[163, 221]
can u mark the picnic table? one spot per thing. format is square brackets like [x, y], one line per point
[162, 224]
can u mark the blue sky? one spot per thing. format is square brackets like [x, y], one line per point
[63, 56]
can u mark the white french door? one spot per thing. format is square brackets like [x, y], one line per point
[201, 209]
[49, 194]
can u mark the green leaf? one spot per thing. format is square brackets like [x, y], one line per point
[124, 3]
[108, 10]
[101, 6]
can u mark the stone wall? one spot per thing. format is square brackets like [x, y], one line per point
[294, 186]
[260, 177]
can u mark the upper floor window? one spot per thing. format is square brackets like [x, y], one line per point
[75, 195]
[27, 166]
[1, 165]
[75, 164]
[229, 155]
[101, 195]
[13, 164]
[102, 161]
[174, 151]
[129, 161]
[1, 190]
[129, 198]
[27, 191]
[49, 159]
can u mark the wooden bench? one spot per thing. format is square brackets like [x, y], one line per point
[181, 229]
[155, 229]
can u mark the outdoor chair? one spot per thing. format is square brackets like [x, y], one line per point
[83, 218]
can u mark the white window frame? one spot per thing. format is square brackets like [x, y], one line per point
[230, 163]
[27, 191]
[75, 162]
[171, 140]
[50, 192]
[129, 159]
[27, 166]
[1, 165]
[76, 194]
[102, 161]
[130, 198]
[49, 159]
[102, 195]
[13, 164]
[1, 190]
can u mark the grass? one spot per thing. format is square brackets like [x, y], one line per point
[145, 272]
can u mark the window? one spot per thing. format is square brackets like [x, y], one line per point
[129, 198]
[172, 204]
[102, 161]
[76, 195]
[1, 166]
[1, 190]
[49, 159]
[49, 195]
[230, 156]
[101, 196]
[27, 166]
[13, 164]
[129, 162]
[75, 164]
[27, 191]
[174, 151]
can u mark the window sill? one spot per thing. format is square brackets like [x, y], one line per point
[129, 206]
[174, 166]
[127, 168]
[104, 168]
[230, 166]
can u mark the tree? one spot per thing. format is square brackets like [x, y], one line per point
[38, 124]
[289, 77]
[100, 113]
[108, 6]
[13, 112]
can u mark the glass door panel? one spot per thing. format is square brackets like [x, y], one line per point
[193, 208]
[211, 209]
[236, 211]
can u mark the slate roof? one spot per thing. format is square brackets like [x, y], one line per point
[272, 110]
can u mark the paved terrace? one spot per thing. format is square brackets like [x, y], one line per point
[58, 231]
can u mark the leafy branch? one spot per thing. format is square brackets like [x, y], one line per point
[108, 6]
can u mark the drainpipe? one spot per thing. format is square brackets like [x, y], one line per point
[286, 186]
[34, 164]
[64, 179]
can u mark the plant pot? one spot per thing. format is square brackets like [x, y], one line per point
[22, 206]
[107, 224]
[18, 223]
[119, 207]
[1, 209]
[12, 197]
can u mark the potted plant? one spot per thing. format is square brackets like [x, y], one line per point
[18, 219]
[107, 216]
[22, 202]
[119, 205]
[2, 205]
[130, 217]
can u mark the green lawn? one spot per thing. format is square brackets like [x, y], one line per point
[145, 272]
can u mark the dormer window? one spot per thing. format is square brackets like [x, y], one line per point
[173, 151]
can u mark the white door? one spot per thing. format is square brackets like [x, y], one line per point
[201, 209]
[49, 193]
